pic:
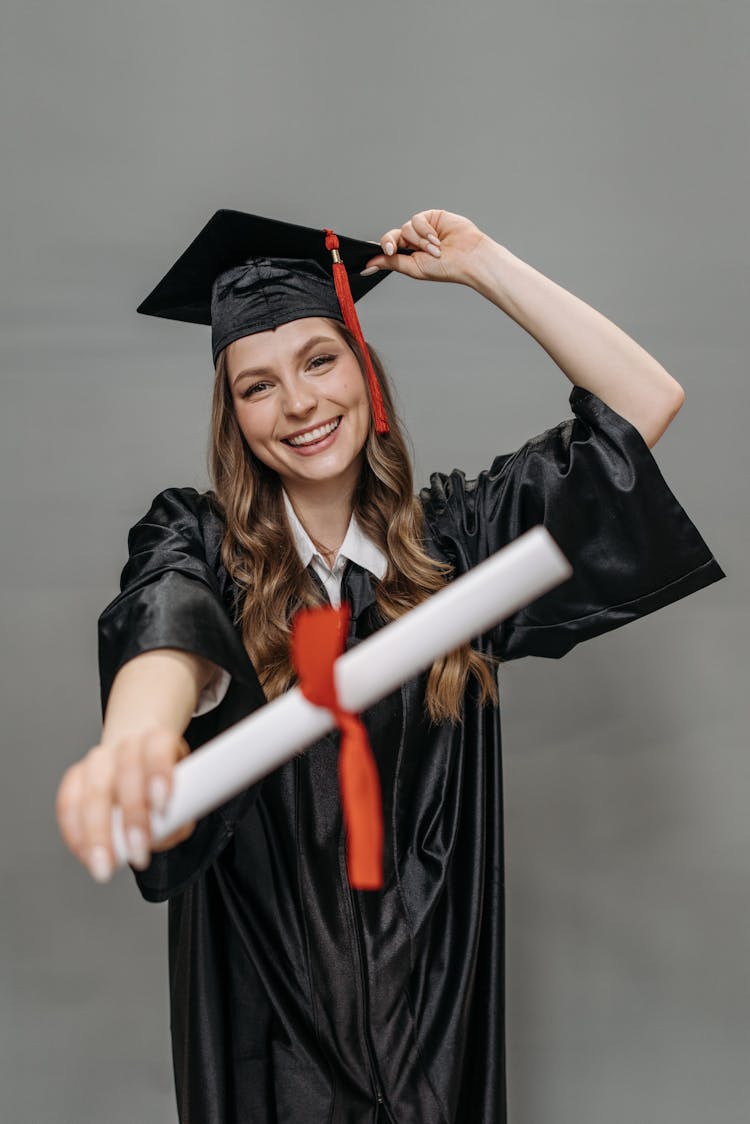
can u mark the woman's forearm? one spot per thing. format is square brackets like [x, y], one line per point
[157, 688]
[587, 347]
[151, 702]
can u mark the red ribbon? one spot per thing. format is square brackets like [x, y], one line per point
[317, 641]
[346, 303]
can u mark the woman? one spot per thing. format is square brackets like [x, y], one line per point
[293, 997]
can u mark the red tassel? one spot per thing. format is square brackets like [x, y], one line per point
[346, 303]
[317, 641]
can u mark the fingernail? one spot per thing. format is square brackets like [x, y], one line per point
[99, 864]
[138, 852]
[434, 239]
[369, 272]
[389, 247]
[435, 251]
[158, 793]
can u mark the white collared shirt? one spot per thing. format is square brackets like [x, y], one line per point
[357, 547]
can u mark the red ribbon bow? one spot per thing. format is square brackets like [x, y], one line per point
[317, 642]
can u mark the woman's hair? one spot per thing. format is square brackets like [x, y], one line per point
[259, 554]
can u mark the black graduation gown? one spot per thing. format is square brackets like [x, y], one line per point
[294, 998]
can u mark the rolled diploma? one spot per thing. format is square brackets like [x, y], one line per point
[260, 743]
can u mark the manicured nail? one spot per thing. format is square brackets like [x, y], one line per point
[434, 239]
[389, 248]
[435, 251]
[369, 272]
[99, 864]
[138, 852]
[158, 793]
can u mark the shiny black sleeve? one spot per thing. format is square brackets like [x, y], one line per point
[171, 596]
[593, 483]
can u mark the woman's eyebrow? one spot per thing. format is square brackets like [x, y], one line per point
[299, 353]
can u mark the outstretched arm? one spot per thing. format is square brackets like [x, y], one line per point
[152, 699]
[588, 348]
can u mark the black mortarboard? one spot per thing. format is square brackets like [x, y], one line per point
[245, 274]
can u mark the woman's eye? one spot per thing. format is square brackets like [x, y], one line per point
[320, 360]
[253, 389]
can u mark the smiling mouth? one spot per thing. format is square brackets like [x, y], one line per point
[313, 436]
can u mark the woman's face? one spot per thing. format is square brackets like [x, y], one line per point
[301, 402]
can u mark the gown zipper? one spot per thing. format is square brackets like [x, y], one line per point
[357, 921]
[374, 1074]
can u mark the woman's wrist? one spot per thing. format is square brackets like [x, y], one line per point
[156, 689]
[487, 268]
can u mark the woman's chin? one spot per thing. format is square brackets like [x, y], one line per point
[323, 469]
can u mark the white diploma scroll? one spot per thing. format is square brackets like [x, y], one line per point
[467, 607]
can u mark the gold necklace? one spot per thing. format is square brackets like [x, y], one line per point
[328, 554]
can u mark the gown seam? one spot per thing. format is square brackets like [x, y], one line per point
[313, 1004]
[709, 564]
[420, 1055]
[407, 918]
[361, 971]
[394, 829]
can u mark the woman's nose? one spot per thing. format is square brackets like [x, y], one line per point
[299, 399]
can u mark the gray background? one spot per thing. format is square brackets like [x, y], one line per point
[606, 144]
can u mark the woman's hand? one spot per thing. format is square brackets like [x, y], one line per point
[134, 772]
[444, 246]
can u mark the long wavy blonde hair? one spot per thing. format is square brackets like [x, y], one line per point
[259, 554]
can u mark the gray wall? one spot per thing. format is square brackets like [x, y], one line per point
[606, 144]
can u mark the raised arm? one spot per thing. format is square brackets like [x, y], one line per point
[588, 348]
[152, 699]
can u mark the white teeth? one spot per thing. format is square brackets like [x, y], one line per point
[314, 434]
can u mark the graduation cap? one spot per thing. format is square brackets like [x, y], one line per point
[245, 274]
